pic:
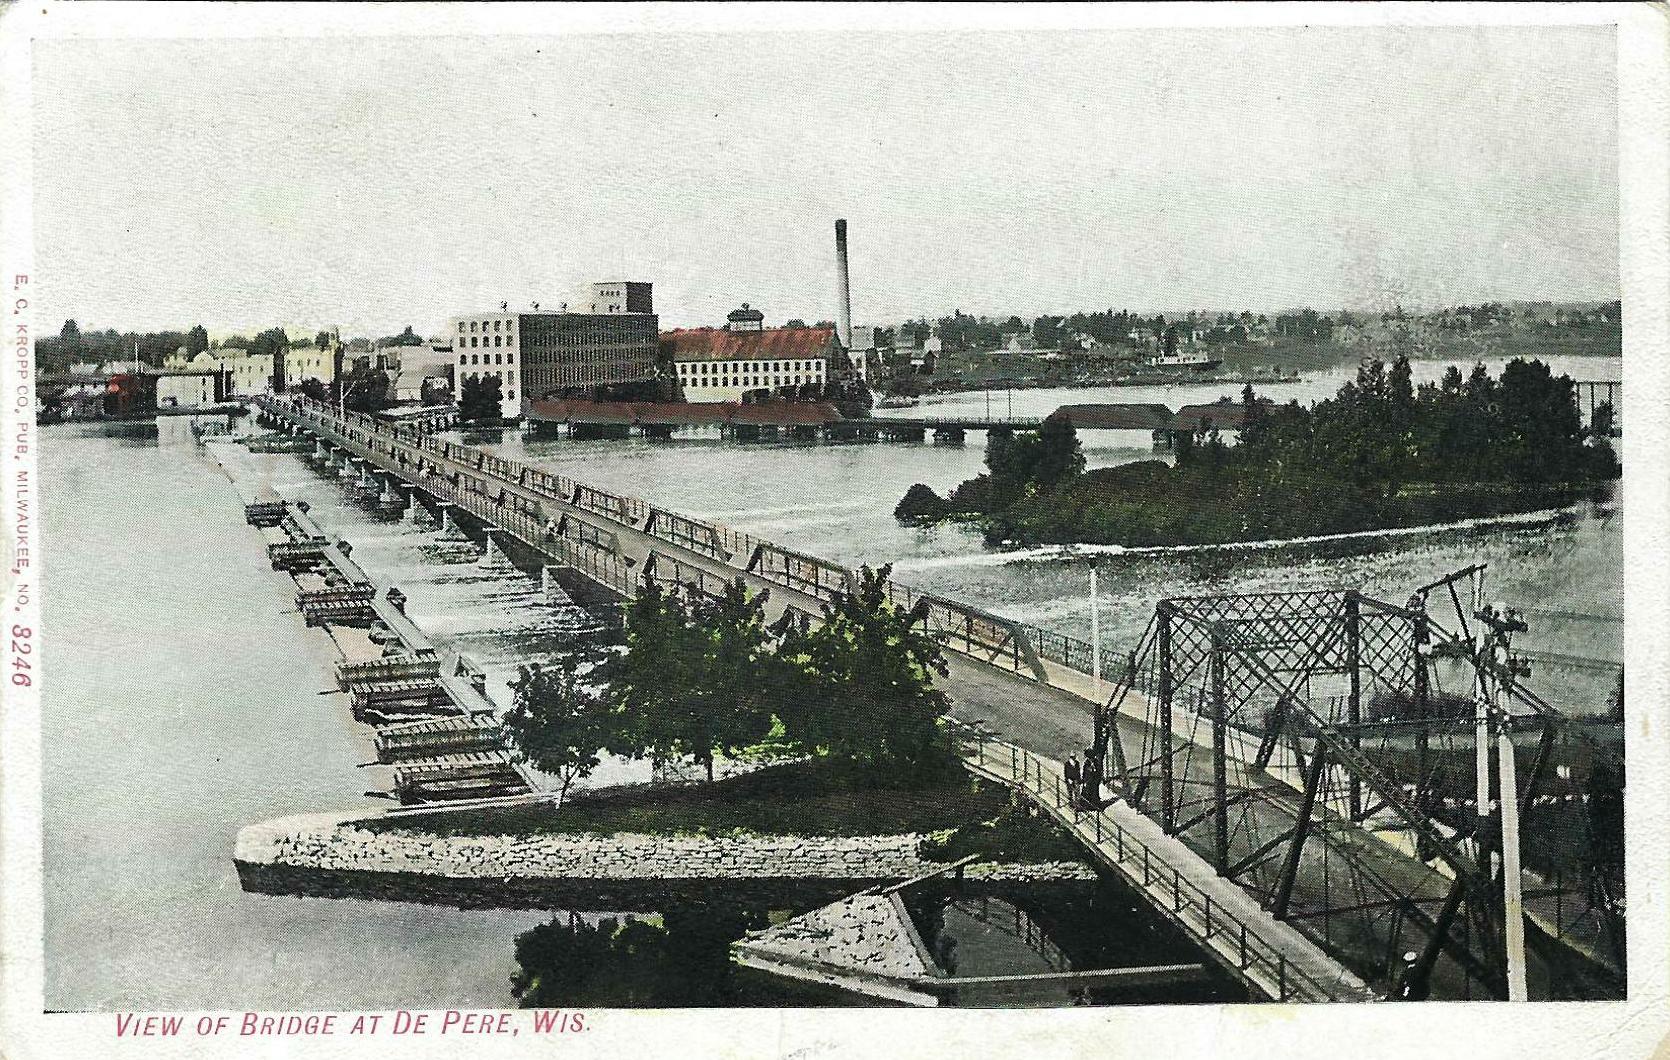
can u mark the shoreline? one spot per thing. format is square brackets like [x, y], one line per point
[330, 855]
[1519, 520]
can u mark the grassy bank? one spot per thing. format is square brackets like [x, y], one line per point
[824, 797]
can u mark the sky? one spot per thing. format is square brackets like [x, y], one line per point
[375, 183]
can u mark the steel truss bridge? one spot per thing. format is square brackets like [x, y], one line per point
[1293, 779]
[1321, 749]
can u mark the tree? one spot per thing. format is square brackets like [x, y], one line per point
[864, 684]
[197, 340]
[272, 341]
[696, 677]
[407, 337]
[478, 399]
[70, 336]
[322, 340]
[1034, 462]
[1057, 454]
[558, 722]
[313, 388]
[366, 389]
[795, 323]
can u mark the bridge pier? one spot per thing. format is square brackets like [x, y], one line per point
[448, 527]
[367, 479]
[491, 556]
[549, 587]
[949, 436]
[414, 507]
[390, 497]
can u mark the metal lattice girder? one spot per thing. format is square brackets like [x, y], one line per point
[1225, 670]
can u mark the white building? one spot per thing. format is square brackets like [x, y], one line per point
[188, 387]
[484, 346]
[302, 363]
[725, 365]
[612, 296]
[862, 350]
[247, 374]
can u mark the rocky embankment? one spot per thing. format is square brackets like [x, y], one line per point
[339, 845]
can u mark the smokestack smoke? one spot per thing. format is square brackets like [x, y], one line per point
[843, 293]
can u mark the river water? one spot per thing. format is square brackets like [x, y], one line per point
[180, 694]
[836, 501]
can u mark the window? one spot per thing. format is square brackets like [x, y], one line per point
[496, 339]
[472, 325]
[512, 395]
[473, 360]
[462, 357]
[496, 324]
[498, 358]
[510, 340]
[460, 327]
[510, 358]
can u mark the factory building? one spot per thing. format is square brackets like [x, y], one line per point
[541, 354]
[746, 360]
[305, 362]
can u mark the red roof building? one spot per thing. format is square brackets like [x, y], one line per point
[715, 365]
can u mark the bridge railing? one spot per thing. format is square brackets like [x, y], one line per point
[964, 629]
[1076, 654]
[1138, 862]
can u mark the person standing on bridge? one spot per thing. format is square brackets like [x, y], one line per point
[1090, 780]
[1070, 773]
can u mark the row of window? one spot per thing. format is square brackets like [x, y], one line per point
[750, 381]
[498, 358]
[716, 367]
[508, 340]
[496, 325]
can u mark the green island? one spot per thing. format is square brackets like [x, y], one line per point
[839, 724]
[1381, 454]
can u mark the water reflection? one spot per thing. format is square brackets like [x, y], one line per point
[678, 959]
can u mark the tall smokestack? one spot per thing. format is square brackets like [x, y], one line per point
[843, 293]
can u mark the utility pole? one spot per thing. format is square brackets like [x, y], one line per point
[1497, 667]
[1095, 642]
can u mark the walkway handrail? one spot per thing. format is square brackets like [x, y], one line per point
[1028, 773]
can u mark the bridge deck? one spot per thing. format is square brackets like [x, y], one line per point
[1271, 956]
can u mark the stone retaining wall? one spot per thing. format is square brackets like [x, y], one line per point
[337, 844]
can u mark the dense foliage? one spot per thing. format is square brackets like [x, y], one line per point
[1381, 453]
[559, 720]
[478, 398]
[861, 684]
[697, 675]
[703, 676]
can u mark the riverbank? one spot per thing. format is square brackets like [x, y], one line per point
[625, 870]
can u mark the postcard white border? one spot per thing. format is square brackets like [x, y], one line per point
[1622, 1029]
